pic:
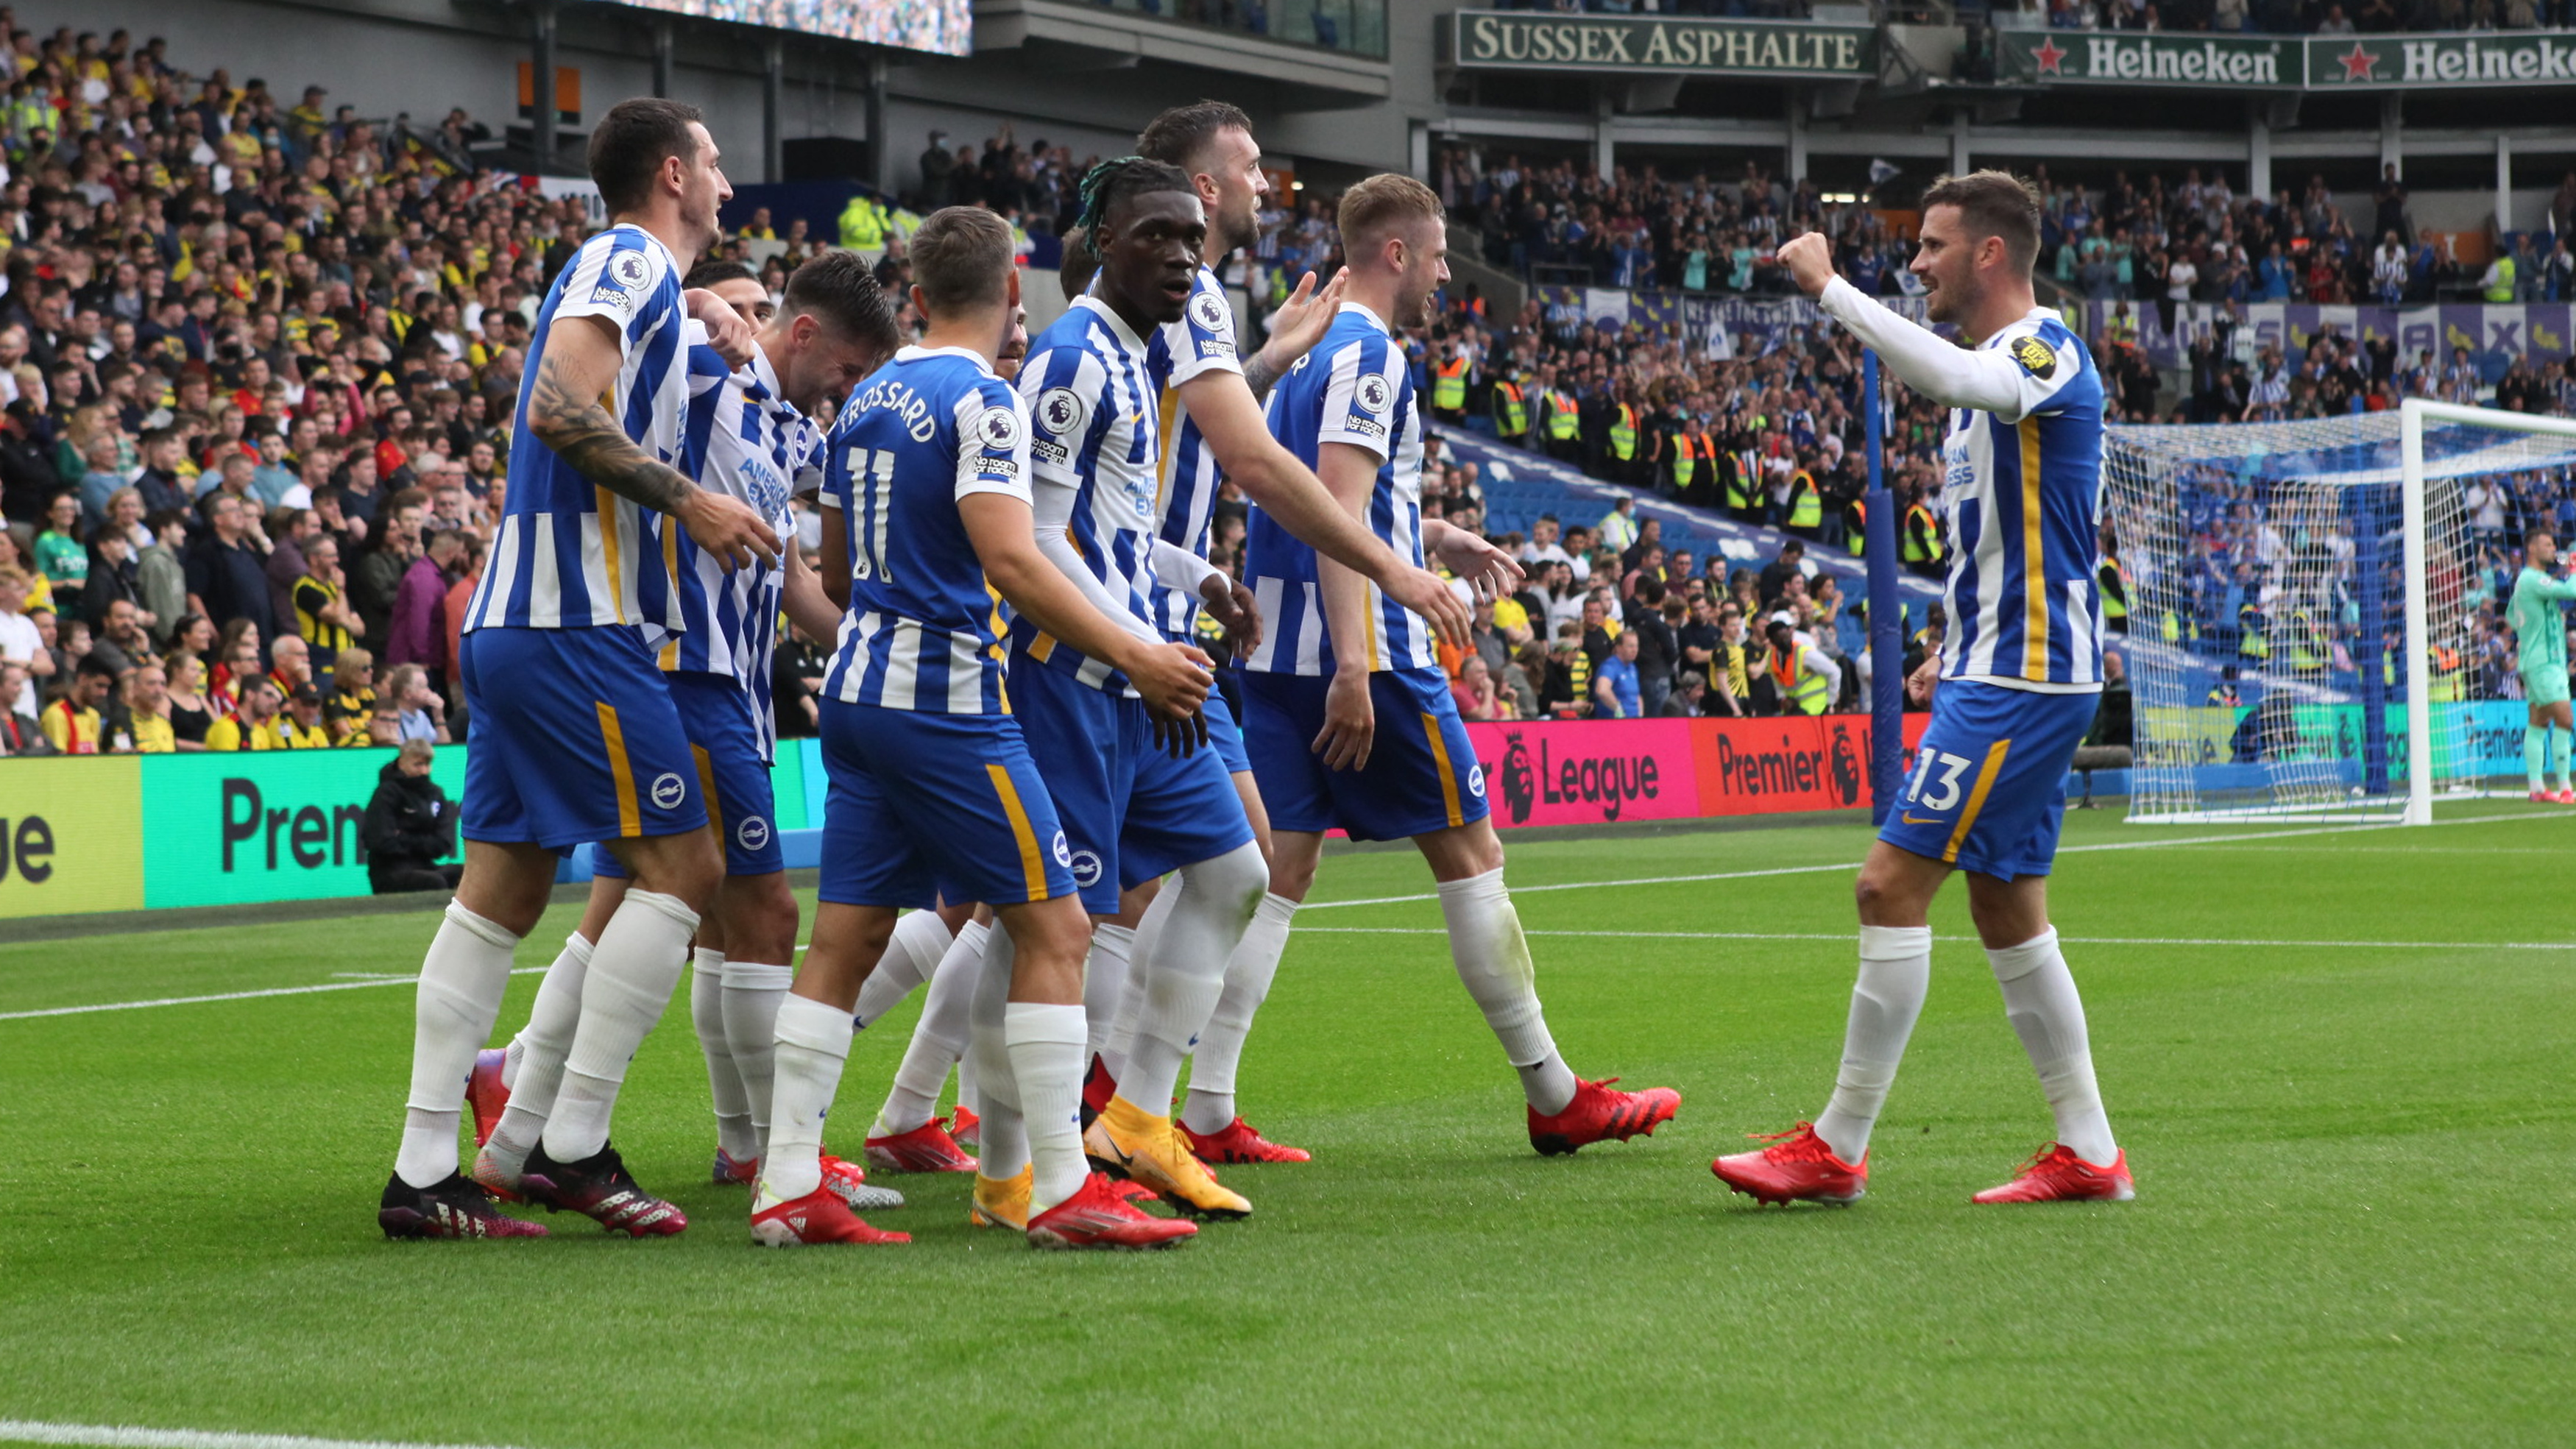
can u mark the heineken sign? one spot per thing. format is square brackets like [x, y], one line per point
[2489, 58]
[1657, 44]
[2152, 58]
[2326, 62]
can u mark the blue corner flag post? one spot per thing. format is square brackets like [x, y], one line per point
[1886, 612]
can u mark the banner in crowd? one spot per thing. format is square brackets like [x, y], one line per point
[1662, 45]
[2470, 738]
[71, 836]
[2247, 63]
[2540, 331]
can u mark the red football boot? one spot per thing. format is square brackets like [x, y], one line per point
[600, 1188]
[1240, 1141]
[965, 1127]
[1797, 1165]
[818, 1217]
[485, 1094]
[2565, 797]
[926, 1148]
[1597, 1114]
[1096, 1217]
[848, 1181]
[2055, 1174]
[1097, 1088]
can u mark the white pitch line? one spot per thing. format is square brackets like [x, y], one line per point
[223, 996]
[2070, 940]
[1577, 885]
[124, 1436]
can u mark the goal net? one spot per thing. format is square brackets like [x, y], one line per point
[2317, 608]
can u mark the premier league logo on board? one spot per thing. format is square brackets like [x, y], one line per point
[1846, 767]
[1520, 783]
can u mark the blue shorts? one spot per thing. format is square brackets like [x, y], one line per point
[922, 807]
[1131, 812]
[716, 712]
[572, 738]
[1988, 788]
[1224, 735]
[1421, 774]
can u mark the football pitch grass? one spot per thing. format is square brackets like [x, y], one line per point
[2338, 1061]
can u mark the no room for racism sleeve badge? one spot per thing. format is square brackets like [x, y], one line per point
[2034, 356]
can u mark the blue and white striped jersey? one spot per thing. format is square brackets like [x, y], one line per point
[1095, 419]
[923, 631]
[1201, 342]
[2020, 492]
[571, 554]
[745, 441]
[1352, 388]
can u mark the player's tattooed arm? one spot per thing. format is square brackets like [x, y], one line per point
[1258, 375]
[567, 411]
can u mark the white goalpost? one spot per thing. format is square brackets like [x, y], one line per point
[2316, 607]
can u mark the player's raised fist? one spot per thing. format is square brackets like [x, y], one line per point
[1810, 260]
[727, 333]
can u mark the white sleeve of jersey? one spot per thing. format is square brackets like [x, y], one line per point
[611, 282]
[1987, 379]
[1203, 340]
[993, 444]
[1179, 568]
[1359, 406]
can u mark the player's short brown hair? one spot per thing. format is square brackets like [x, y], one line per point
[1179, 135]
[1994, 203]
[631, 143]
[1380, 204]
[961, 259]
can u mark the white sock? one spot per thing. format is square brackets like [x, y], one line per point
[1131, 1001]
[462, 979]
[511, 1056]
[812, 1043]
[966, 1089]
[541, 1045]
[1104, 983]
[752, 994]
[1046, 1045]
[1493, 960]
[938, 1038]
[734, 1132]
[633, 969]
[1895, 975]
[1186, 973]
[1003, 1145]
[912, 953]
[2048, 1016]
[1247, 984]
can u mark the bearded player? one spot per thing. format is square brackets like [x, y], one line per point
[2012, 690]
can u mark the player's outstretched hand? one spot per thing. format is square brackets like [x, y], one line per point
[1350, 720]
[727, 333]
[1301, 321]
[1488, 570]
[1429, 595]
[1919, 684]
[1232, 606]
[1810, 260]
[728, 528]
[1174, 680]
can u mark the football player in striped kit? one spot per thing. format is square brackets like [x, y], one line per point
[1337, 656]
[574, 735]
[747, 434]
[933, 789]
[2013, 690]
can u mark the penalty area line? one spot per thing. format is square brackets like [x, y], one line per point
[221, 996]
[126, 1436]
[2070, 940]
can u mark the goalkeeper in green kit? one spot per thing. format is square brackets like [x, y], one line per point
[2542, 631]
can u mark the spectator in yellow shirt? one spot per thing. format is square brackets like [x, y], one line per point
[254, 724]
[302, 724]
[71, 721]
[147, 710]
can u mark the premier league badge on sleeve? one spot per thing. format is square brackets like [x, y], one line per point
[1375, 393]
